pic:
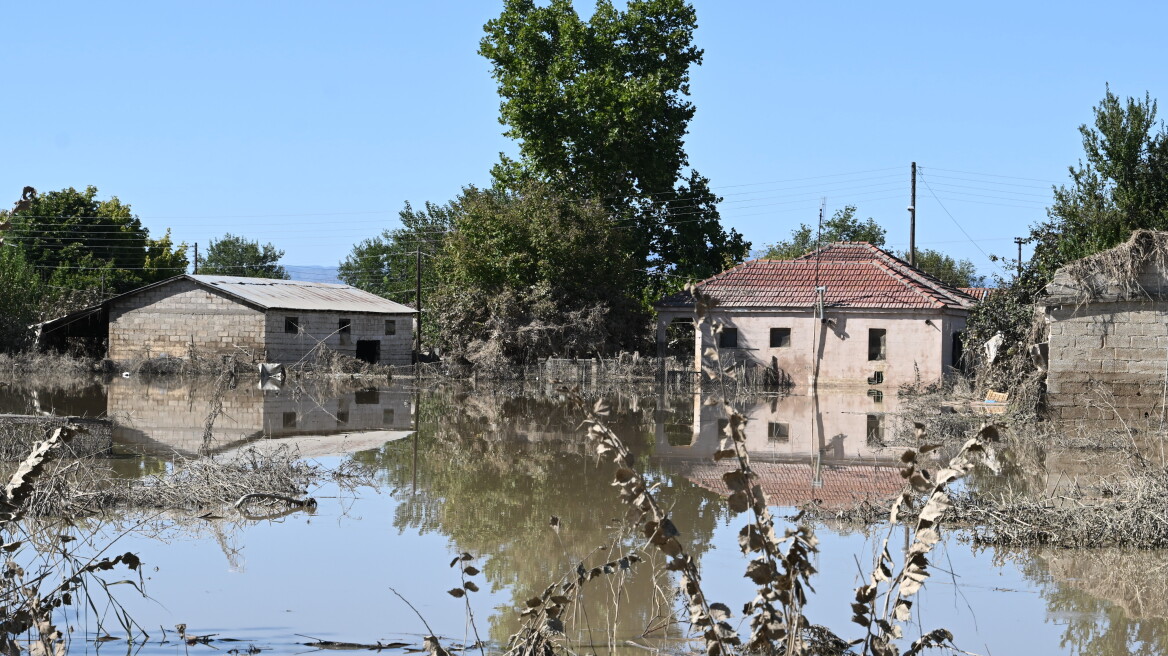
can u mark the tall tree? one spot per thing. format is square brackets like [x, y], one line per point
[386, 264]
[599, 110]
[842, 226]
[83, 243]
[530, 273]
[236, 256]
[1121, 185]
[21, 295]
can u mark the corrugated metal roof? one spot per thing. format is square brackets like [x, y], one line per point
[270, 294]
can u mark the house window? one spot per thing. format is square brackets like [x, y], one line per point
[875, 429]
[345, 327]
[391, 326]
[342, 417]
[387, 416]
[289, 420]
[876, 343]
[780, 337]
[777, 432]
[292, 325]
[728, 338]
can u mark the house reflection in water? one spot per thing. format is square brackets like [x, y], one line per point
[823, 449]
[167, 418]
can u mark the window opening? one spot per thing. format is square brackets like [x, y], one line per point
[780, 337]
[875, 429]
[876, 343]
[390, 326]
[777, 432]
[728, 338]
[292, 325]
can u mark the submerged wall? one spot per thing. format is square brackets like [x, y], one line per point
[1107, 363]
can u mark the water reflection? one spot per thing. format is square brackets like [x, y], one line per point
[824, 449]
[166, 417]
[486, 470]
[1108, 601]
[495, 469]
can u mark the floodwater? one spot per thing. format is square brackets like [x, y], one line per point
[483, 471]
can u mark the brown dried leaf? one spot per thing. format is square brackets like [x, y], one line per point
[455, 592]
[470, 586]
[738, 502]
[720, 612]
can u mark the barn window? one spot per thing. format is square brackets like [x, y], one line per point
[728, 338]
[876, 343]
[345, 326]
[780, 337]
[391, 326]
[292, 325]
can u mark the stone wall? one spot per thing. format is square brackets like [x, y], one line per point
[166, 320]
[1107, 363]
[312, 328]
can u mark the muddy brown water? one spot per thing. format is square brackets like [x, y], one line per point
[483, 471]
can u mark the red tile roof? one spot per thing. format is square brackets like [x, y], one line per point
[856, 275]
[793, 485]
[980, 293]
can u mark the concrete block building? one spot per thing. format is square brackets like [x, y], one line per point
[849, 314]
[1107, 321]
[254, 319]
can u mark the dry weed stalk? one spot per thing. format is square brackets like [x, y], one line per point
[883, 624]
[27, 606]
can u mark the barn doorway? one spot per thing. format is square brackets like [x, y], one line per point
[369, 350]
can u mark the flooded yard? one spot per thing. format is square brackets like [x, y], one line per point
[484, 471]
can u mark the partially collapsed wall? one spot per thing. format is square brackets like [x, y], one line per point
[1108, 319]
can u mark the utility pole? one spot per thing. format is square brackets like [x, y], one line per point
[1019, 241]
[196, 258]
[418, 301]
[912, 219]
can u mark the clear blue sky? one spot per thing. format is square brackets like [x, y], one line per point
[308, 124]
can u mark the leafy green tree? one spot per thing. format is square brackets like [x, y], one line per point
[842, 226]
[236, 256]
[386, 265]
[599, 110]
[81, 243]
[164, 259]
[530, 273]
[1120, 186]
[955, 273]
[21, 293]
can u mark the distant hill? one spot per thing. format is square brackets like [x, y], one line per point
[313, 273]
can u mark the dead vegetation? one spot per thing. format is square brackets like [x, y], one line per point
[1116, 271]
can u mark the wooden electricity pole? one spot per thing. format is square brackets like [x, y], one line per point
[1019, 241]
[912, 220]
[196, 258]
[418, 301]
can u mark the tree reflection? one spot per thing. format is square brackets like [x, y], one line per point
[493, 469]
[1111, 601]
